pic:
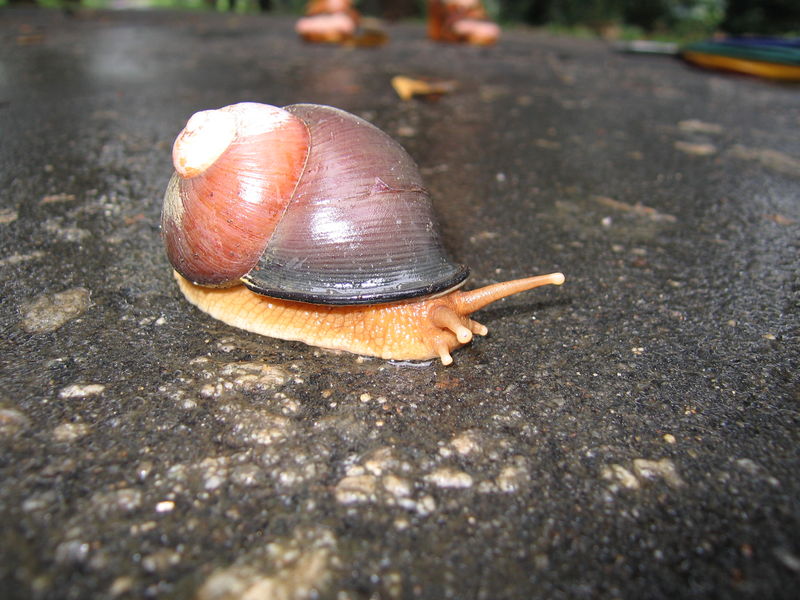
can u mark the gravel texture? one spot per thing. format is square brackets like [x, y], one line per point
[632, 434]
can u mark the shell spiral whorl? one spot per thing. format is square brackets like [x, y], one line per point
[236, 169]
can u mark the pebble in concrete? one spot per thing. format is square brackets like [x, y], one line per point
[69, 432]
[294, 568]
[81, 390]
[663, 469]
[449, 477]
[12, 421]
[48, 312]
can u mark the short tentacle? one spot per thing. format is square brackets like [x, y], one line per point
[441, 342]
[446, 318]
[478, 328]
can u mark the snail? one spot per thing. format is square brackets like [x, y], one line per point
[308, 223]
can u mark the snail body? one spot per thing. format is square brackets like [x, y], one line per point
[307, 223]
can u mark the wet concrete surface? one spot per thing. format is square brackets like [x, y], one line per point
[631, 434]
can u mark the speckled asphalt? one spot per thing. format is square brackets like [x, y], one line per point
[632, 434]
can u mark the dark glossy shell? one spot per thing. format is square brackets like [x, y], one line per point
[360, 228]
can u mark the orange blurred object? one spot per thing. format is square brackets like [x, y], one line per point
[328, 21]
[461, 21]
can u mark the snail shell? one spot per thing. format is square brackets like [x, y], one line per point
[308, 223]
[306, 203]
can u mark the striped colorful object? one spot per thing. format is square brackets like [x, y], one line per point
[772, 58]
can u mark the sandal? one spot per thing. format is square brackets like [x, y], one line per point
[328, 21]
[461, 21]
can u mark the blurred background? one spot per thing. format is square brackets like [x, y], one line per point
[614, 19]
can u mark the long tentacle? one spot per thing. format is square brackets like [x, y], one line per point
[468, 302]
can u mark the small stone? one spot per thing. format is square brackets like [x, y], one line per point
[143, 470]
[72, 552]
[124, 500]
[251, 426]
[787, 558]
[379, 461]
[547, 144]
[55, 198]
[487, 486]
[161, 560]
[356, 488]
[406, 131]
[483, 236]
[466, 442]
[65, 233]
[255, 375]
[448, 477]
[48, 312]
[541, 562]
[698, 126]
[226, 346]
[513, 477]
[246, 475]
[755, 470]
[165, 506]
[296, 475]
[620, 475]
[696, 149]
[397, 486]
[748, 465]
[12, 421]
[81, 390]
[8, 215]
[296, 568]
[69, 432]
[658, 469]
[289, 406]
[39, 501]
[669, 438]
[121, 585]
[426, 505]
[214, 471]
[140, 528]
[771, 159]
[17, 258]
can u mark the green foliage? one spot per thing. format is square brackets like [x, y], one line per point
[762, 16]
[678, 18]
[649, 15]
